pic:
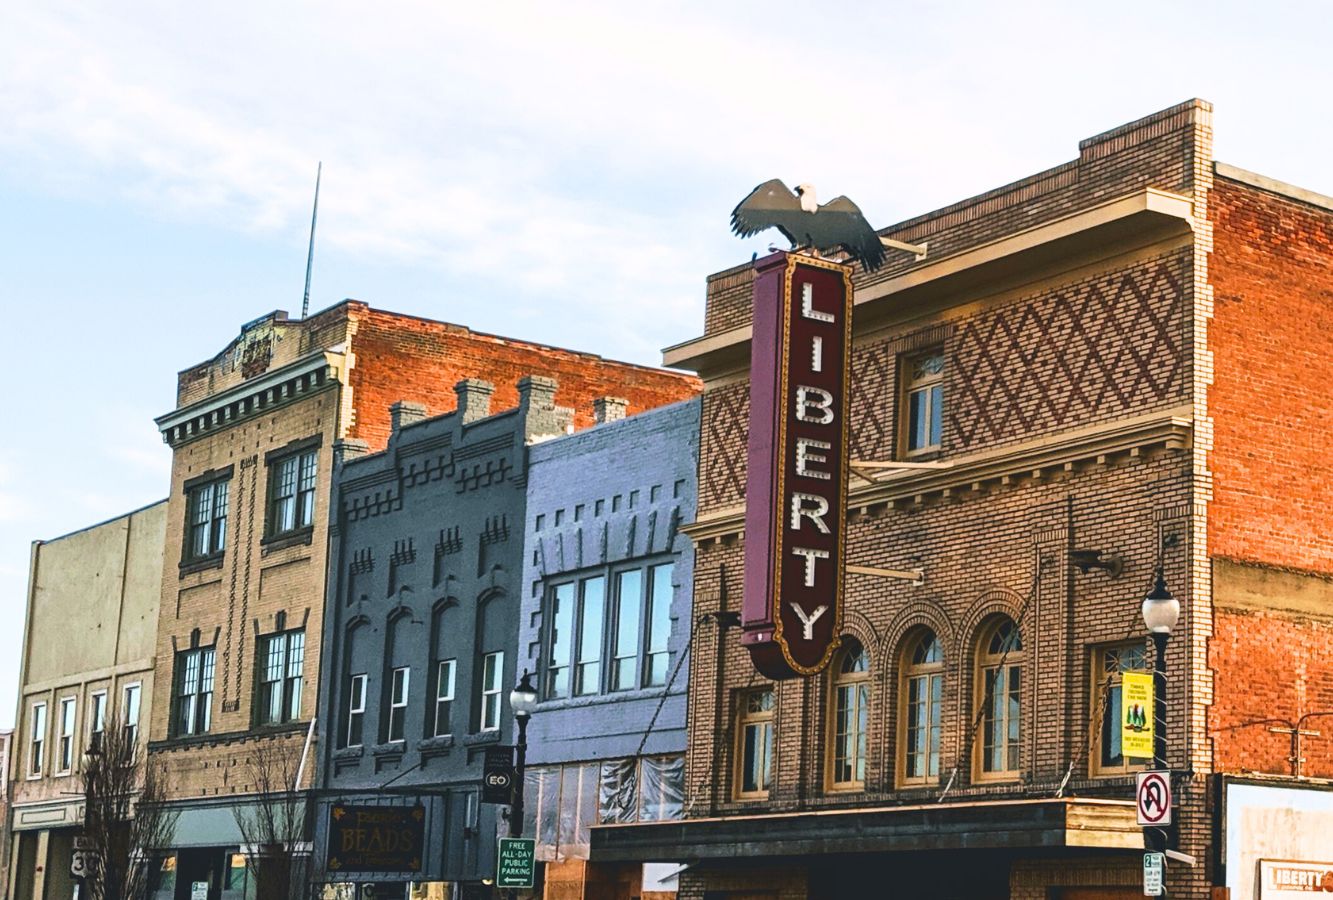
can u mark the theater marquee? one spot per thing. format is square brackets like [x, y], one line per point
[796, 486]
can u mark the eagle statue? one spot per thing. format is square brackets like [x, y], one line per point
[836, 224]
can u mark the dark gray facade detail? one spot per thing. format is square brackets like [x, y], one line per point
[605, 622]
[423, 605]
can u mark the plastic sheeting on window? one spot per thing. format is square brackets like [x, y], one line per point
[619, 797]
[541, 809]
[662, 788]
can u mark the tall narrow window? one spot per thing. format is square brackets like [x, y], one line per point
[851, 701]
[999, 693]
[65, 747]
[492, 686]
[194, 691]
[282, 662]
[292, 492]
[1109, 664]
[398, 689]
[37, 741]
[130, 712]
[444, 696]
[922, 692]
[356, 710]
[560, 640]
[660, 590]
[588, 672]
[755, 750]
[207, 523]
[625, 651]
[925, 402]
[96, 719]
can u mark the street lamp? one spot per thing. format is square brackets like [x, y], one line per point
[522, 700]
[1160, 613]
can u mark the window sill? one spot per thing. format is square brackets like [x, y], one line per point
[391, 749]
[349, 753]
[440, 745]
[201, 564]
[482, 737]
[294, 538]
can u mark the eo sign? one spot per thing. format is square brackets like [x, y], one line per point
[796, 486]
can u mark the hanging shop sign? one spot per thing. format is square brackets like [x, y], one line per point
[796, 486]
[1136, 721]
[376, 838]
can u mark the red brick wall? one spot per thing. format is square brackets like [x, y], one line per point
[1272, 398]
[1270, 665]
[405, 358]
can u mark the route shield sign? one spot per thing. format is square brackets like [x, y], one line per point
[514, 863]
[1152, 797]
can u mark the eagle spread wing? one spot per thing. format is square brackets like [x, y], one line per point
[837, 224]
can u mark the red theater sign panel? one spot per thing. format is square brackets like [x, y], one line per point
[796, 487]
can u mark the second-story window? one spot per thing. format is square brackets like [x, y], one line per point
[399, 682]
[1109, 664]
[194, 691]
[281, 665]
[65, 747]
[924, 398]
[96, 719]
[560, 639]
[444, 697]
[656, 654]
[754, 749]
[292, 492]
[356, 710]
[492, 690]
[206, 532]
[37, 741]
[130, 712]
[592, 606]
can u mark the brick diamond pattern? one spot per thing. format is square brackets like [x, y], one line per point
[726, 415]
[872, 431]
[1091, 351]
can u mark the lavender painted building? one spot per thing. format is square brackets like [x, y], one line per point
[605, 625]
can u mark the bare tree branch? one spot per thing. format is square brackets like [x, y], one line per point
[273, 826]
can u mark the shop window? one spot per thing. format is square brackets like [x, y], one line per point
[754, 751]
[850, 713]
[281, 666]
[194, 691]
[999, 692]
[1109, 663]
[923, 402]
[922, 708]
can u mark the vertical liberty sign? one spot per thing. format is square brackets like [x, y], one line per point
[796, 484]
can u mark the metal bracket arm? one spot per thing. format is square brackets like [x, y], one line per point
[918, 249]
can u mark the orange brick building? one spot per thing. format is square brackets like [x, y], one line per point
[1115, 364]
[253, 439]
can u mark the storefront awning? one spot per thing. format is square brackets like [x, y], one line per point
[1006, 824]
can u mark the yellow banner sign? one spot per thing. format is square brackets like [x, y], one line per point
[1136, 719]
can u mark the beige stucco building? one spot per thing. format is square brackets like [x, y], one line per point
[87, 665]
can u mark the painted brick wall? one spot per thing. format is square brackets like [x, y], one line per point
[1272, 396]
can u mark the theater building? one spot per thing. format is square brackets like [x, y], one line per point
[241, 620]
[1114, 365]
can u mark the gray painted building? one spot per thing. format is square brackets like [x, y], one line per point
[605, 625]
[422, 617]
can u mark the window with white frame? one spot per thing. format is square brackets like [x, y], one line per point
[356, 710]
[399, 683]
[444, 696]
[292, 492]
[130, 712]
[924, 423]
[37, 740]
[194, 691]
[492, 690]
[281, 665]
[96, 719]
[591, 610]
[65, 744]
[206, 525]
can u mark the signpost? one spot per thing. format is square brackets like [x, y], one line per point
[376, 838]
[1136, 723]
[1152, 797]
[515, 863]
[497, 778]
[796, 482]
[1154, 874]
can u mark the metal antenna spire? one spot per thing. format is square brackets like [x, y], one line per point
[310, 256]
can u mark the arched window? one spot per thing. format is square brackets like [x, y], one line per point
[922, 693]
[999, 697]
[851, 700]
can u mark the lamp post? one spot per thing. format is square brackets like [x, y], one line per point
[522, 700]
[1160, 612]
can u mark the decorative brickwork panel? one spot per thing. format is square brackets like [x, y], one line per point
[1094, 350]
[726, 428]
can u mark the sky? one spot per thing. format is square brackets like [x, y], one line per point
[556, 172]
